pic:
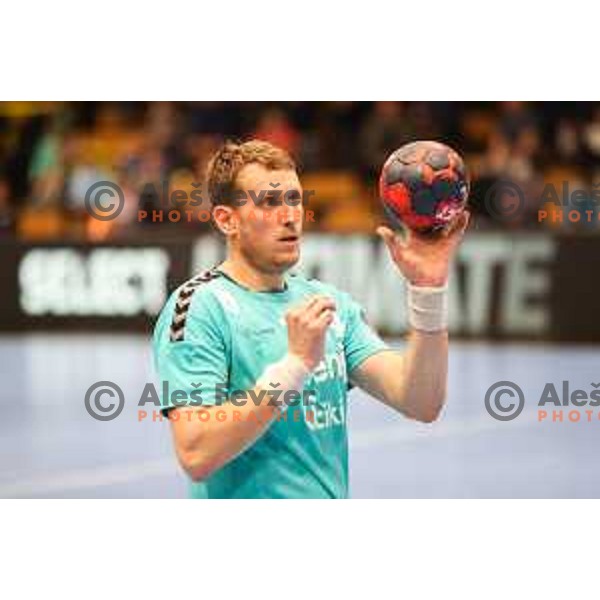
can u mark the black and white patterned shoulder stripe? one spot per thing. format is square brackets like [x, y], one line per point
[184, 299]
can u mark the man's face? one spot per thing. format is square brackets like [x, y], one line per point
[267, 228]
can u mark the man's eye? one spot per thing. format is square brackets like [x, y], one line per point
[272, 201]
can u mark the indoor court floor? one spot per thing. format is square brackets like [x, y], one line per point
[51, 448]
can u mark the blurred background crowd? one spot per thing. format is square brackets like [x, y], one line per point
[52, 152]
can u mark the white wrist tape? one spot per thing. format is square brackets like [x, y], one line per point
[428, 308]
[286, 375]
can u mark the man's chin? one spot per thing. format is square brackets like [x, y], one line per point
[286, 261]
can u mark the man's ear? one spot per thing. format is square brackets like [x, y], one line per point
[224, 219]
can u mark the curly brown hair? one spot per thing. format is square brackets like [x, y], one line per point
[227, 162]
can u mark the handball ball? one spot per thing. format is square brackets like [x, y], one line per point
[423, 186]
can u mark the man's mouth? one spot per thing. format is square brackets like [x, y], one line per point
[289, 238]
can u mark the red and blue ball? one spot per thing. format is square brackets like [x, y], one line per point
[424, 186]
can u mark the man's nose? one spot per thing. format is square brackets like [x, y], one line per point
[290, 215]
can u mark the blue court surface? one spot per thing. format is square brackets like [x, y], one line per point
[51, 448]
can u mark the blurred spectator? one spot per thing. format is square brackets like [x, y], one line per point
[522, 163]
[515, 162]
[6, 213]
[199, 149]
[274, 126]
[162, 128]
[567, 141]
[216, 118]
[51, 153]
[112, 138]
[515, 118]
[20, 138]
[82, 177]
[421, 115]
[591, 135]
[330, 141]
[386, 128]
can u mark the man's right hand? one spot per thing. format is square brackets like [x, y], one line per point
[307, 325]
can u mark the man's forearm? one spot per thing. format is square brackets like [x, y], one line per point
[426, 358]
[205, 445]
[425, 367]
[415, 381]
[412, 381]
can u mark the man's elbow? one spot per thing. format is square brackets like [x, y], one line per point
[196, 466]
[430, 409]
[429, 416]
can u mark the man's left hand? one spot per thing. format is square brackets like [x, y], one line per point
[425, 260]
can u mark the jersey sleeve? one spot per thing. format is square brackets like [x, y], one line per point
[192, 359]
[360, 339]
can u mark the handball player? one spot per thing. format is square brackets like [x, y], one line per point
[247, 334]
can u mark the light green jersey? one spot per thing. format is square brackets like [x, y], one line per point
[216, 336]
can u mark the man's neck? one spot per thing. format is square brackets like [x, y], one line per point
[250, 277]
